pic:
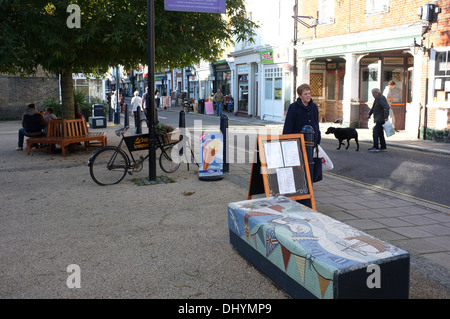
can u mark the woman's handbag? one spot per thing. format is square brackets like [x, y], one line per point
[317, 169]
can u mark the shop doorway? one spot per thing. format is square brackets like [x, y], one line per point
[273, 93]
[377, 72]
[395, 94]
[334, 95]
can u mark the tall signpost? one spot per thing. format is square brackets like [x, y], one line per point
[151, 88]
[209, 6]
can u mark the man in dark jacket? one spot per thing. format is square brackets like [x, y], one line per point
[33, 122]
[380, 111]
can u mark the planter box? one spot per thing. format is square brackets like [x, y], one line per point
[310, 255]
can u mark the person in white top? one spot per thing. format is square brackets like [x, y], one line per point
[135, 102]
[392, 94]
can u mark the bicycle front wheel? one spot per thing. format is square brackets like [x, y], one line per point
[108, 166]
[165, 160]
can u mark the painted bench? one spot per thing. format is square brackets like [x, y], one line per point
[65, 132]
[311, 255]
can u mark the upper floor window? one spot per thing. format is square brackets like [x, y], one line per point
[326, 11]
[377, 6]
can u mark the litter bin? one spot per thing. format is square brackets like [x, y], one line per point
[201, 106]
[98, 118]
[98, 110]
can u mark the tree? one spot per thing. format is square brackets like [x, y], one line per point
[38, 33]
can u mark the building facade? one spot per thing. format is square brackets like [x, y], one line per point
[262, 72]
[17, 92]
[344, 49]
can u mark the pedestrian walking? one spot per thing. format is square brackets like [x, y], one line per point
[157, 98]
[136, 102]
[380, 111]
[218, 99]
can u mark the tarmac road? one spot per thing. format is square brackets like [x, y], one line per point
[415, 173]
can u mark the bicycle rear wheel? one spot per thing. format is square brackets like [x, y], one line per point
[108, 166]
[165, 160]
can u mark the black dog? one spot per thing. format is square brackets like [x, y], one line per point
[344, 134]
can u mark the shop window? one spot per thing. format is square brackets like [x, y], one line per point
[287, 90]
[273, 83]
[369, 81]
[442, 77]
[331, 85]
[326, 12]
[341, 85]
[377, 6]
[335, 85]
[317, 84]
[243, 92]
[395, 74]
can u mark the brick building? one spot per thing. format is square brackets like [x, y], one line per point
[345, 48]
[17, 92]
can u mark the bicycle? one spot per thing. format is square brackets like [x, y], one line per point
[110, 164]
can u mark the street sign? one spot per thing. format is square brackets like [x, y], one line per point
[208, 6]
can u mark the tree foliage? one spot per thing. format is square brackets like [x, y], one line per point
[35, 33]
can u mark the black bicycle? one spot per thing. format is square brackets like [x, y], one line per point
[110, 164]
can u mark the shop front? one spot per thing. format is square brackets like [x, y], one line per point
[276, 84]
[343, 76]
[222, 75]
[244, 83]
[243, 73]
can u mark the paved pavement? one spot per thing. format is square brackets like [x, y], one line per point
[171, 240]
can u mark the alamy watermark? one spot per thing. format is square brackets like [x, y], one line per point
[74, 19]
[374, 279]
[74, 279]
[239, 145]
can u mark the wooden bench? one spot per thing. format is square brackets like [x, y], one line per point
[65, 132]
[311, 255]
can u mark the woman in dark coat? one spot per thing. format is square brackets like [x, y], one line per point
[303, 112]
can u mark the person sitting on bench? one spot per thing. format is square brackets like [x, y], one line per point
[32, 124]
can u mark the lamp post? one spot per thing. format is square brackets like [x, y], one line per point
[151, 88]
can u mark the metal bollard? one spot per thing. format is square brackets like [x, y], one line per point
[308, 133]
[110, 113]
[138, 123]
[182, 119]
[224, 129]
[182, 126]
[117, 115]
[126, 121]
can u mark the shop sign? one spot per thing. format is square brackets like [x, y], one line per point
[267, 57]
[360, 47]
[243, 69]
[278, 55]
[208, 6]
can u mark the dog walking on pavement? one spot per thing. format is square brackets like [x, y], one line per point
[346, 133]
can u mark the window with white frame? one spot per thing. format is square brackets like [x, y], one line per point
[441, 96]
[377, 6]
[326, 12]
[273, 77]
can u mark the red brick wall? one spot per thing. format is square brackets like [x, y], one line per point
[350, 16]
